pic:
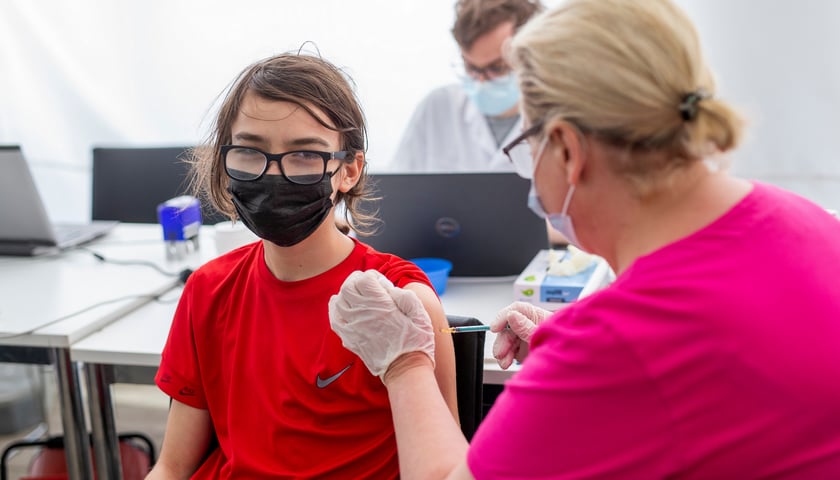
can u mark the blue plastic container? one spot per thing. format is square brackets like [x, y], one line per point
[437, 269]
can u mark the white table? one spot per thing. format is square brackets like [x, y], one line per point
[49, 303]
[137, 338]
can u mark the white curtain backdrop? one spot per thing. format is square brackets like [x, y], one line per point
[74, 75]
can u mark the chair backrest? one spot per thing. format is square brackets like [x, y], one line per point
[137, 456]
[469, 373]
[129, 183]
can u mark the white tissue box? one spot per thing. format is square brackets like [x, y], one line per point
[535, 285]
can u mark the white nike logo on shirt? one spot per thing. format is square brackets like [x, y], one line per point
[322, 383]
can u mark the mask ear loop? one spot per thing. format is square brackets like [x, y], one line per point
[540, 152]
[568, 200]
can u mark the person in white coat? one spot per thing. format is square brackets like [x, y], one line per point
[461, 127]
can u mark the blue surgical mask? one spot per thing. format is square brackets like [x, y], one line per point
[562, 222]
[493, 97]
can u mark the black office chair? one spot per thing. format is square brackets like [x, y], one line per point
[469, 373]
[129, 183]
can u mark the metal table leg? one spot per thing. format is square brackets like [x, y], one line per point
[106, 445]
[76, 440]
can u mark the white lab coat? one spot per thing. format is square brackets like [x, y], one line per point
[447, 133]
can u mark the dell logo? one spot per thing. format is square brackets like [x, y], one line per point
[447, 227]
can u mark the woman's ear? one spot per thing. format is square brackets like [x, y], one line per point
[351, 172]
[567, 142]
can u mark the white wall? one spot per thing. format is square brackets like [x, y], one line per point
[779, 61]
[96, 72]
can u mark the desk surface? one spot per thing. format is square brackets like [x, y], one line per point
[138, 338]
[53, 301]
[50, 302]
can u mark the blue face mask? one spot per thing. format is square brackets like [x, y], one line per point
[493, 97]
[561, 222]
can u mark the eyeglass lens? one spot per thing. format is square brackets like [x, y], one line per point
[496, 69]
[305, 168]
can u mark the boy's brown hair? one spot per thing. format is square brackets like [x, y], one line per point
[307, 81]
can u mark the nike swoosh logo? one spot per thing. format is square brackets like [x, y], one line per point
[324, 382]
[187, 391]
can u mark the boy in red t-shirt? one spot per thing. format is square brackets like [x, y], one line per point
[251, 360]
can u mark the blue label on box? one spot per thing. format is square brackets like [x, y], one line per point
[550, 291]
[563, 289]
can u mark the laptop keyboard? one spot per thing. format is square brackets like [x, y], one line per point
[68, 233]
[71, 234]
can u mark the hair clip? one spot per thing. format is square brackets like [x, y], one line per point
[688, 105]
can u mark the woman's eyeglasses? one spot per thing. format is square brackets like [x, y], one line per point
[528, 132]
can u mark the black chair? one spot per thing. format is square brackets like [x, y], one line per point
[469, 373]
[129, 183]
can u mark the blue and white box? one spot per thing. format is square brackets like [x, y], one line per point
[541, 285]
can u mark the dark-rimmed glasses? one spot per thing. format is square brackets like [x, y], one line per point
[492, 71]
[303, 167]
[496, 69]
[532, 130]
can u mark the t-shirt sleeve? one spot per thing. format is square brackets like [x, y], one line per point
[582, 406]
[400, 272]
[178, 375]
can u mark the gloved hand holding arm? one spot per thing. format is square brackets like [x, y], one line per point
[391, 331]
[512, 343]
[379, 322]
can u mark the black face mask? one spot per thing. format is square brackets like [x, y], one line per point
[280, 211]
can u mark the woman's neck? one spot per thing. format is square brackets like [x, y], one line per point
[693, 200]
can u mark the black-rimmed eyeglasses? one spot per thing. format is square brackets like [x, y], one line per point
[303, 167]
[496, 69]
[532, 130]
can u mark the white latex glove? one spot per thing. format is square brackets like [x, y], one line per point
[379, 322]
[512, 343]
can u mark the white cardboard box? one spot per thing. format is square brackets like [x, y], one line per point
[535, 285]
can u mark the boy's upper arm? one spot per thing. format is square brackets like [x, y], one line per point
[444, 349]
[189, 431]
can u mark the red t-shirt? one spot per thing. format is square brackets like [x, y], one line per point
[287, 400]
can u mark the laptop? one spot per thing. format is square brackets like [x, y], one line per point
[479, 221]
[25, 228]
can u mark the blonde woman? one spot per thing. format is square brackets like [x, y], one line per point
[714, 354]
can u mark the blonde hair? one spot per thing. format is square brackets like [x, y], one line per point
[620, 70]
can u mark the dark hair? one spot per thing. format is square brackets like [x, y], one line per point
[309, 82]
[474, 18]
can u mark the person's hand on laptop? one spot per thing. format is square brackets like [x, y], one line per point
[380, 322]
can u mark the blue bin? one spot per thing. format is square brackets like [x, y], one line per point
[437, 269]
